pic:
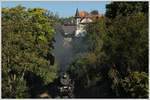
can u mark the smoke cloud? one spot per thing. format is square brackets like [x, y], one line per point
[66, 48]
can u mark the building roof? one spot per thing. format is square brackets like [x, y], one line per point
[99, 16]
[77, 14]
[84, 14]
[69, 29]
[85, 20]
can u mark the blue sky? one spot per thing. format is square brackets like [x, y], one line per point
[64, 8]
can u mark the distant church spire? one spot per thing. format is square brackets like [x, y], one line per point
[77, 14]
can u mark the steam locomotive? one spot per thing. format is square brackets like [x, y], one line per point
[65, 87]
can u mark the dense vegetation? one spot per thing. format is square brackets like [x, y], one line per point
[27, 51]
[113, 63]
[94, 12]
[116, 64]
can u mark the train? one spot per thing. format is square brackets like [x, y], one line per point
[65, 86]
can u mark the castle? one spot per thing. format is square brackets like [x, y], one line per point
[81, 19]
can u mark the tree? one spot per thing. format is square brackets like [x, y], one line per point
[85, 68]
[27, 47]
[126, 46]
[125, 8]
[94, 12]
[117, 51]
[136, 85]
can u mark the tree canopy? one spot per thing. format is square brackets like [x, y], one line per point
[27, 50]
[125, 8]
[113, 63]
[117, 58]
[94, 12]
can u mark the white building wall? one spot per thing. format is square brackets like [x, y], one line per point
[80, 31]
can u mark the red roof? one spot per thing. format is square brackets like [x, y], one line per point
[82, 14]
[99, 16]
[88, 15]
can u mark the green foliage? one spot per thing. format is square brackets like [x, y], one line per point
[125, 8]
[27, 45]
[136, 84]
[77, 71]
[94, 12]
[95, 33]
[14, 87]
[126, 48]
[128, 43]
[117, 48]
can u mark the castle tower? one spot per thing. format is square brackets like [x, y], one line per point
[77, 22]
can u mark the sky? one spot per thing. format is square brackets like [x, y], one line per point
[63, 8]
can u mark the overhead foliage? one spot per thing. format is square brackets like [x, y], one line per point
[117, 58]
[125, 8]
[27, 47]
[136, 84]
[94, 12]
